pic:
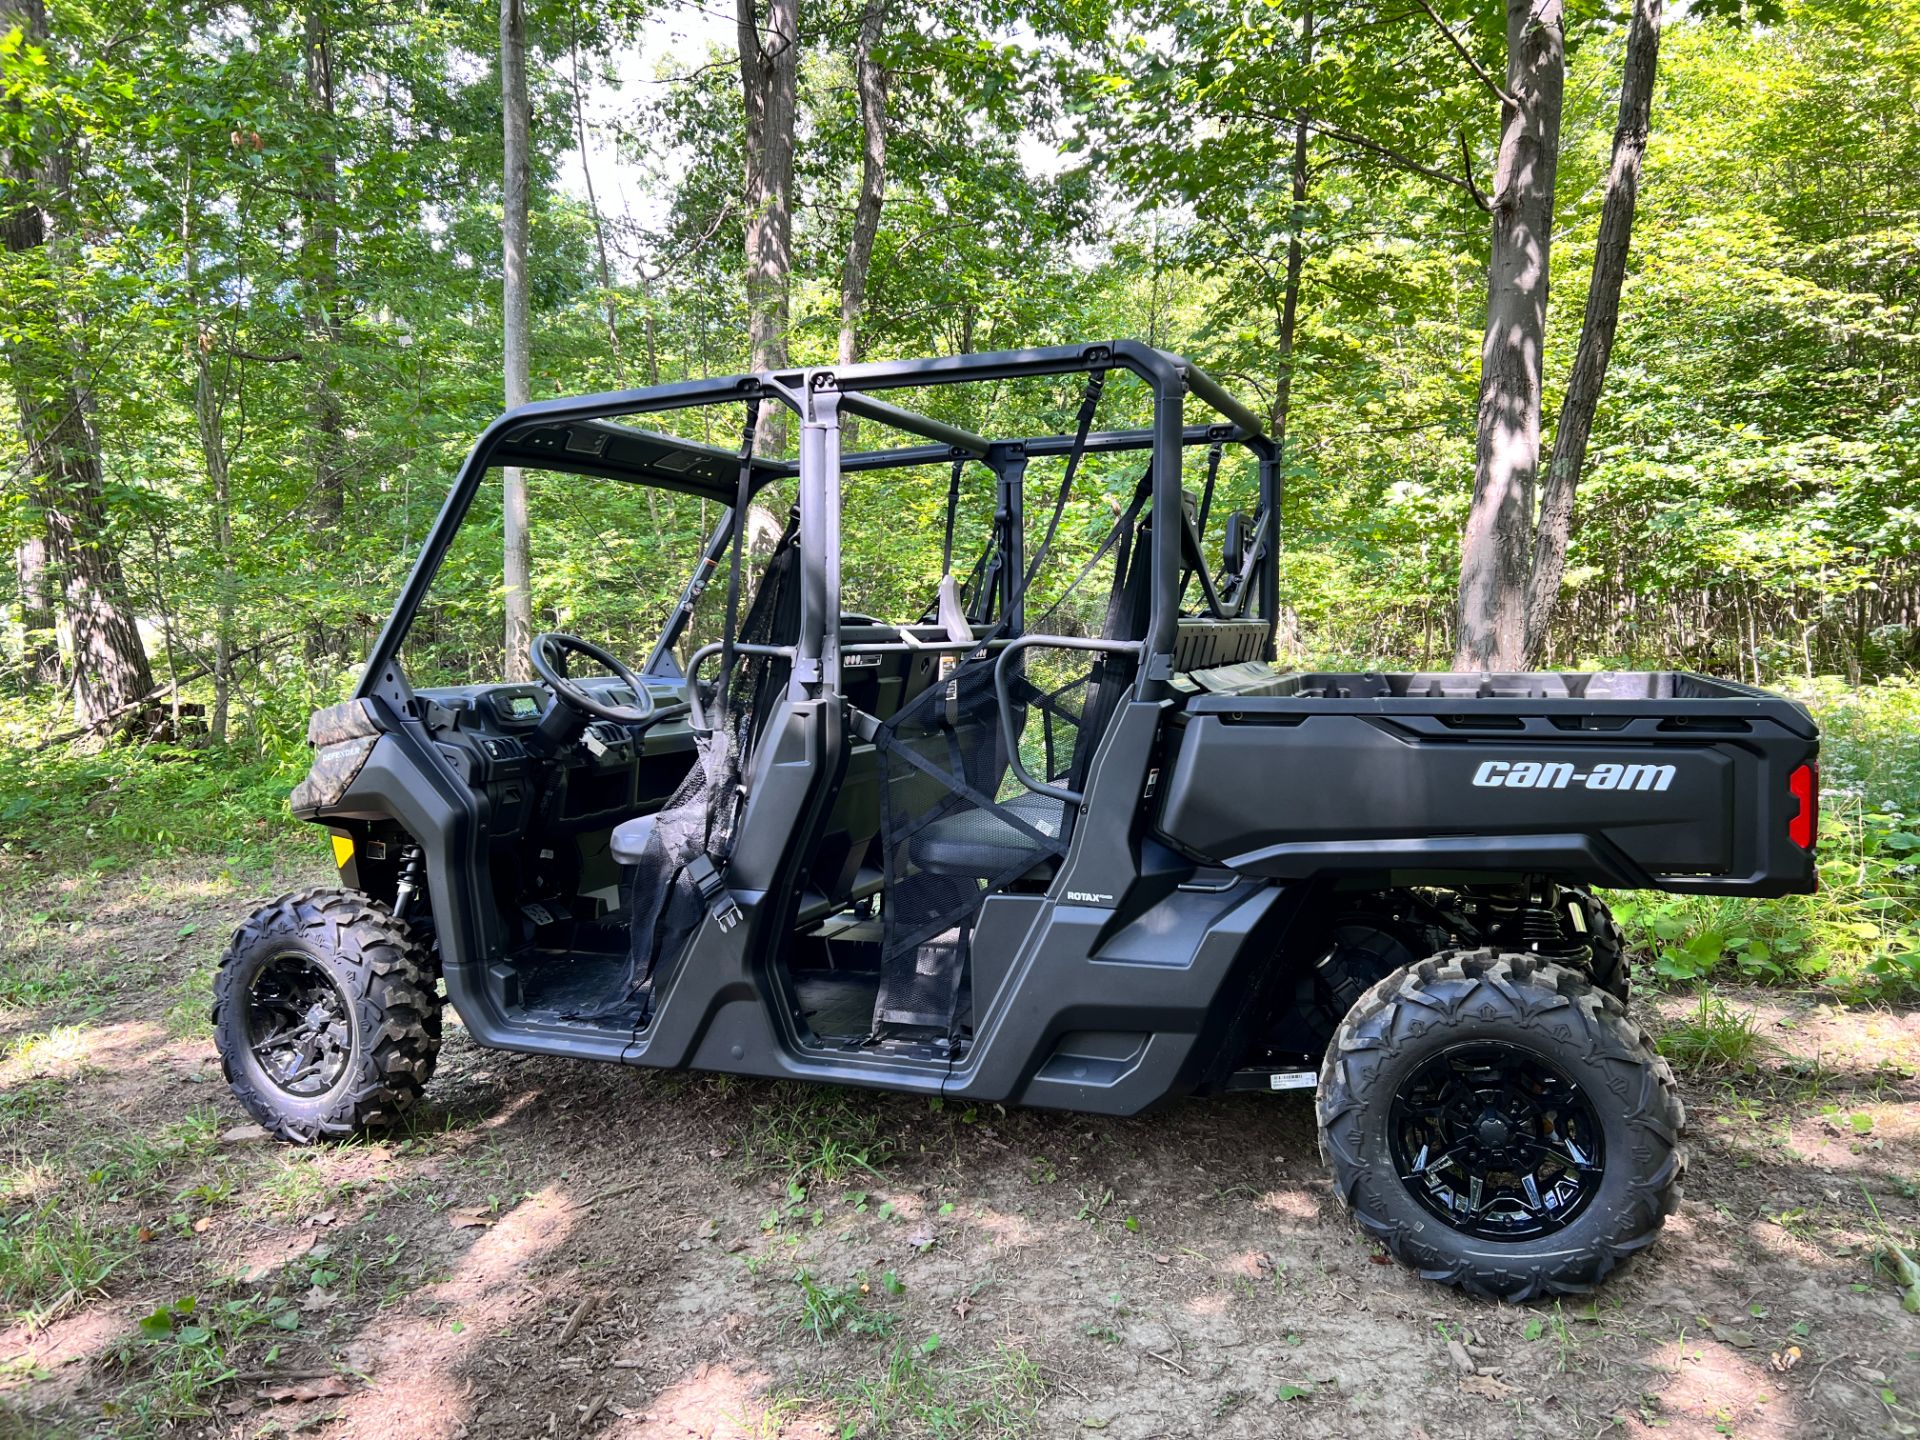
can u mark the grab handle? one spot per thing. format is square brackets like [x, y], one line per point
[696, 712]
[1005, 700]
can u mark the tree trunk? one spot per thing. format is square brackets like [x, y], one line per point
[1296, 261]
[321, 243]
[1496, 549]
[320, 247]
[870, 81]
[606, 270]
[515, 203]
[599, 228]
[63, 458]
[769, 70]
[1597, 328]
[42, 649]
[209, 413]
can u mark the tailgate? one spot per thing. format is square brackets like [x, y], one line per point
[1642, 795]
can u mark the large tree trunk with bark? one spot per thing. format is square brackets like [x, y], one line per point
[769, 76]
[514, 226]
[63, 457]
[1597, 328]
[1497, 547]
[41, 659]
[870, 83]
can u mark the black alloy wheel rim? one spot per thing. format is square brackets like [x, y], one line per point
[299, 1029]
[1496, 1141]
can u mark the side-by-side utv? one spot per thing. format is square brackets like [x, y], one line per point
[1063, 835]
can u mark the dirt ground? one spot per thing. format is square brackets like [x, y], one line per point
[564, 1249]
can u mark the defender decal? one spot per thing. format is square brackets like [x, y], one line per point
[1558, 775]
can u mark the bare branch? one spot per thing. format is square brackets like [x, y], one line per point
[1505, 97]
[1466, 173]
[1394, 157]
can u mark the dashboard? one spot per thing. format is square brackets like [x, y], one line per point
[612, 771]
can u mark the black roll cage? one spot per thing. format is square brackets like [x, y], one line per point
[576, 435]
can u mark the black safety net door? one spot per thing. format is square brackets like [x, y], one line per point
[956, 825]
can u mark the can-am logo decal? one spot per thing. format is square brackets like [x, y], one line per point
[1558, 775]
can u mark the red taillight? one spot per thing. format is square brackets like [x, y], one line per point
[1805, 825]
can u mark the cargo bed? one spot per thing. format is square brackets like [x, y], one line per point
[1634, 779]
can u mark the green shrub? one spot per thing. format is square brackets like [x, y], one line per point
[73, 808]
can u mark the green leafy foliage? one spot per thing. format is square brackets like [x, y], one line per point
[1860, 935]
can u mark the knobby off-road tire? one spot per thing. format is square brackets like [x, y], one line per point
[337, 972]
[1608, 967]
[1462, 1001]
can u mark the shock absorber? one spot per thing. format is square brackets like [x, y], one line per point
[413, 869]
[1543, 930]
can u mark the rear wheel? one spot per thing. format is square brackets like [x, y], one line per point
[325, 1015]
[1501, 1125]
[1591, 923]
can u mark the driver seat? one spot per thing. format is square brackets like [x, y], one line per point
[630, 838]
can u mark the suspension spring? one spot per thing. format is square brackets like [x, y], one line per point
[413, 870]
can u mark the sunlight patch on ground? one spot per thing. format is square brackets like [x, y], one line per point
[1209, 1304]
[27, 1181]
[713, 1402]
[75, 1052]
[427, 1357]
[1298, 1205]
[65, 1347]
[1009, 1232]
[1714, 1391]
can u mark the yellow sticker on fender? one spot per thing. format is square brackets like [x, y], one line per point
[342, 850]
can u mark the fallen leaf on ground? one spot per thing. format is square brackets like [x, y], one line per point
[1486, 1387]
[709, 1230]
[300, 1390]
[1739, 1339]
[1163, 1259]
[319, 1299]
[323, 1217]
[922, 1238]
[242, 1134]
[470, 1222]
[963, 1307]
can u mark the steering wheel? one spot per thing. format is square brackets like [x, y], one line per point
[548, 654]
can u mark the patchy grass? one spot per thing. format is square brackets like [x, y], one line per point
[56, 1248]
[806, 1133]
[1714, 1037]
[853, 1308]
[914, 1390]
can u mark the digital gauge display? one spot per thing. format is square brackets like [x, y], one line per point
[523, 707]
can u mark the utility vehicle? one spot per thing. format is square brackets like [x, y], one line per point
[1025, 842]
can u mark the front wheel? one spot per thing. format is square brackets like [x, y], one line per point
[1500, 1125]
[325, 1015]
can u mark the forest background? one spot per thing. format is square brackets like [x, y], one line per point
[265, 266]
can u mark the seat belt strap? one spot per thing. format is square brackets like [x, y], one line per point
[713, 892]
[1083, 426]
[953, 507]
[743, 496]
